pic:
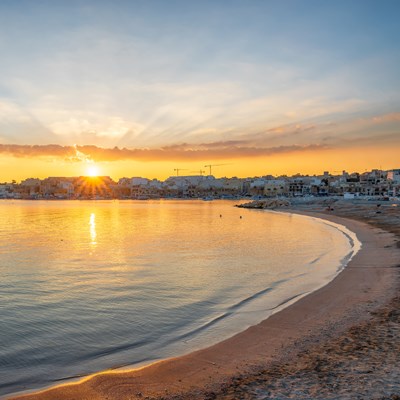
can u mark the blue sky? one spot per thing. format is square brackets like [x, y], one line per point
[151, 74]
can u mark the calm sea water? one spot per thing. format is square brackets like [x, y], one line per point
[92, 285]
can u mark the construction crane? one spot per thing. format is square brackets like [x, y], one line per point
[179, 169]
[213, 165]
[201, 172]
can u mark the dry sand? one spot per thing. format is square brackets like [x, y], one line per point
[341, 341]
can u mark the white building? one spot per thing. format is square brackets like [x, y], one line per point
[137, 181]
[6, 190]
[275, 187]
[232, 184]
[183, 182]
[155, 183]
[31, 182]
[257, 184]
[394, 175]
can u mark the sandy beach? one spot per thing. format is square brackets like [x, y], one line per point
[341, 341]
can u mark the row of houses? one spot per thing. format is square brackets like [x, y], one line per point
[372, 183]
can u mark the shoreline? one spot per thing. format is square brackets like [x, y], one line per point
[361, 287]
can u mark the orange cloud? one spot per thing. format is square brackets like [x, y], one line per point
[183, 152]
[38, 150]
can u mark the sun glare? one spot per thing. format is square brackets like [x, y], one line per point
[92, 171]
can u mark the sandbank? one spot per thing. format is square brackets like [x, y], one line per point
[369, 281]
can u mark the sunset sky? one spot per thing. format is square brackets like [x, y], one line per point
[138, 88]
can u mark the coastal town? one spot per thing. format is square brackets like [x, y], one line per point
[374, 184]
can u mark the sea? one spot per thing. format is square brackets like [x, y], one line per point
[96, 285]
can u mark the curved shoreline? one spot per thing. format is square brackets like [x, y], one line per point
[346, 300]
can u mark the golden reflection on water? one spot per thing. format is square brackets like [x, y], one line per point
[78, 273]
[93, 234]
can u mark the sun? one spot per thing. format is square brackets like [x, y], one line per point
[92, 171]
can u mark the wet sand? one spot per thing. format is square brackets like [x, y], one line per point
[341, 341]
[363, 362]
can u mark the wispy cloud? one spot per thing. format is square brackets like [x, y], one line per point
[391, 117]
[379, 130]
